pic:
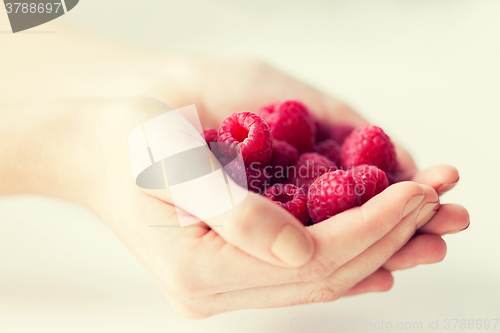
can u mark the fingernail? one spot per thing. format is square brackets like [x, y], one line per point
[292, 247]
[413, 203]
[426, 210]
[426, 219]
[446, 187]
[456, 231]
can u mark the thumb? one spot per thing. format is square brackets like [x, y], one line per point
[262, 229]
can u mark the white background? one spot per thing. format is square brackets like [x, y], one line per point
[426, 71]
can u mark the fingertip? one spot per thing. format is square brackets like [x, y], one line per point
[450, 218]
[434, 249]
[387, 282]
[441, 177]
[450, 173]
[446, 187]
[413, 193]
[439, 249]
[422, 249]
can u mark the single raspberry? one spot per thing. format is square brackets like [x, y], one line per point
[253, 176]
[307, 168]
[330, 149]
[248, 133]
[290, 197]
[210, 135]
[369, 145]
[330, 194]
[339, 132]
[369, 180]
[283, 155]
[292, 122]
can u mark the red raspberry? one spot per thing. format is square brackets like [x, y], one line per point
[307, 168]
[210, 135]
[292, 122]
[330, 194]
[290, 197]
[330, 149]
[283, 155]
[369, 145]
[253, 176]
[249, 133]
[369, 180]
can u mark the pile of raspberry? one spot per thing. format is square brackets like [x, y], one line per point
[312, 169]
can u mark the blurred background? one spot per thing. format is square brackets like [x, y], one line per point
[426, 71]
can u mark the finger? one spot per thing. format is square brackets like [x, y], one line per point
[380, 280]
[262, 229]
[450, 218]
[432, 205]
[346, 235]
[340, 239]
[421, 249]
[377, 254]
[442, 178]
[331, 287]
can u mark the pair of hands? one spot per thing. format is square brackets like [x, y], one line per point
[262, 257]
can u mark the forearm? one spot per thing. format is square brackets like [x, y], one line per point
[37, 152]
[65, 63]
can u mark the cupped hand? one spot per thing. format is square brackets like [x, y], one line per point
[262, 256]
[221, 87]
[205, 270]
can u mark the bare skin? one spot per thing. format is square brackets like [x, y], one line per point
[77, 150]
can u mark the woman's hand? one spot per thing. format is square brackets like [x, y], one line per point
[80, 153]
[77, 150]
[221, 87]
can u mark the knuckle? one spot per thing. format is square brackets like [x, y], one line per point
[322, 292]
